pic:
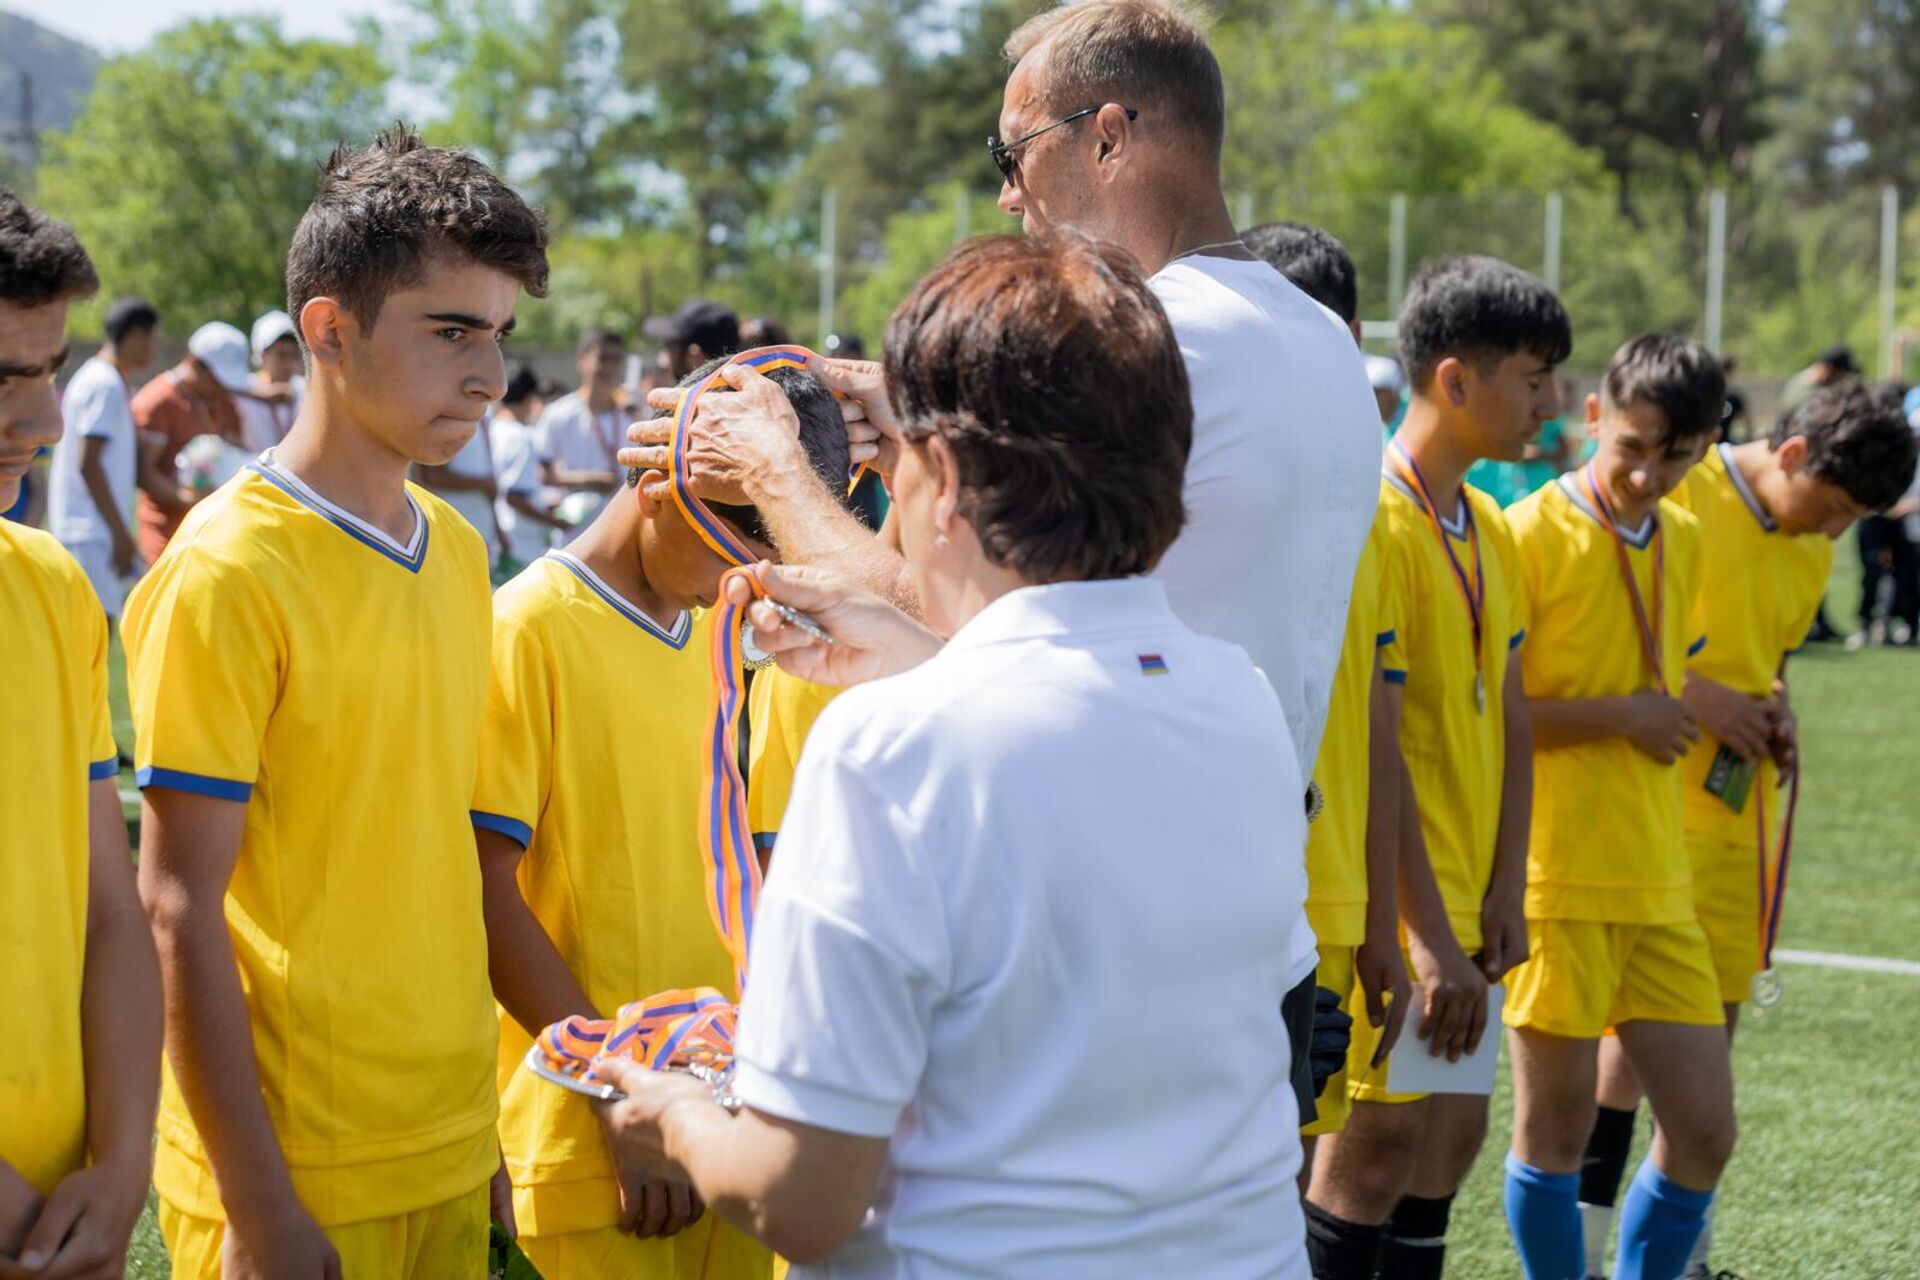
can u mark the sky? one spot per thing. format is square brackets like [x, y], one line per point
[117, 26]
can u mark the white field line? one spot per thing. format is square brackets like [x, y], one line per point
[1859, 964]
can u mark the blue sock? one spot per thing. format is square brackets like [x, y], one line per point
[1543, 1212]
[1659, 1221]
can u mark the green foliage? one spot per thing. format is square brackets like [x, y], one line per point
[195, 157]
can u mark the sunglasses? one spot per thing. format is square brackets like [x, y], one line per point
[1004, 154]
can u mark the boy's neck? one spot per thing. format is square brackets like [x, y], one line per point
[331, 455]
[610, 546]
[1754, 461]
[1628, 513]
[596, 400]
[1443, 463]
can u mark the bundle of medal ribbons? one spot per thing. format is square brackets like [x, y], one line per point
[683, 1030]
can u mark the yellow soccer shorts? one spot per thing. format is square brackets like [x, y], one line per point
[1335, 973]
[701, 1252]
[1584, 976]
[1726, 900]
[446, 1241]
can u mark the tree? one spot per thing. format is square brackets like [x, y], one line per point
[1848, 79]
[195, 157]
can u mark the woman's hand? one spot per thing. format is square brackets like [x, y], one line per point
[871, 638]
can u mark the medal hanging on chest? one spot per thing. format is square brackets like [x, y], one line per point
[1473, 588]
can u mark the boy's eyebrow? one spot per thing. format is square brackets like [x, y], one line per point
[466, 321]
[51, 365]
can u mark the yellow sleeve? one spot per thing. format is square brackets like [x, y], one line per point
[204, 654]
[781, 712]
[1808, 607]
[1396, 606]
[1507, 555]
[1690, 559]
[90, 627]
[516, 735]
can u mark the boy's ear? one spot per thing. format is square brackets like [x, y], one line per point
[653, 493]
[1593, 409]
[323, 322]
[1792, 454]
[1450, 380]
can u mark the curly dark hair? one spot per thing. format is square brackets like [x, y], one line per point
[1857, 438]
[1480, 310]
[382, 212]
[41, 260]
[1053, 375]
[1317, 264]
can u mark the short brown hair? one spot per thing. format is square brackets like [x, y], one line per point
[383, 212]
[1050, 370]
[1677, 376]
[41, 260]
[1151, 55]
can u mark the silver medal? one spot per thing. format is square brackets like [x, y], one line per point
[1480, 692]
[1766, 989]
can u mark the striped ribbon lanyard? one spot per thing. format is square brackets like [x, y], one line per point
[1473, 591]
[1766, 987]
[1648, 622]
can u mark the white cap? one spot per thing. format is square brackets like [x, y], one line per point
[223, 349]
[1383, 374]
[269, 329]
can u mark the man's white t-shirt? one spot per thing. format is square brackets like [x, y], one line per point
[1026, 923]
[96, 406]
[572, 436]
[516, 470]
[264, 424]
[473, 462]
[1281, 484]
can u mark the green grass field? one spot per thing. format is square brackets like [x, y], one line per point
[1828, 1166]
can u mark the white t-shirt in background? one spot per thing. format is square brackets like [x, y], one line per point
[96, 406]
[474, 461]
[517, 470]
[1026, 921]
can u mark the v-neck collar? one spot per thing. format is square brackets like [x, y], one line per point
[674, 637]
[1767, 522]
[1639, 539]
[409, 555]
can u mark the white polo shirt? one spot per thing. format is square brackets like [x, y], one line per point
[1026, 920]
[96, 406]
[516, 470]
[474, 462]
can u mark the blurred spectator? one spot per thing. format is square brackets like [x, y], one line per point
[1834, 365]
[845, 346]
[271, 401]
[97, 463]
[1389, 383]
[699, 331]
[762, 331]
[526, 522]
[1890, 555]
[194, 398]
[577, 437]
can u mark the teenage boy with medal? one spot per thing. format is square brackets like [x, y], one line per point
[1480, 340]
[1612, 571]
[588, 815]
[1769, 511]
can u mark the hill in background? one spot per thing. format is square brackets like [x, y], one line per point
[43, 72]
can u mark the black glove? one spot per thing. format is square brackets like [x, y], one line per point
[1332, 1031]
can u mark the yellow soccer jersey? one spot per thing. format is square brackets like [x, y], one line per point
[781, 709]
[1455, 753]
[591, 760]
[53, 649]
[285, 655]
[1759, 592]
[1606, 841]
[1337, 841]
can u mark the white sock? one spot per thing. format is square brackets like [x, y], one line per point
[1697, 1260]
[1596, 1220]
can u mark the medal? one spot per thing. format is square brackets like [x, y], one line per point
[1472, 590]
[1765, 989]
[1649, 627]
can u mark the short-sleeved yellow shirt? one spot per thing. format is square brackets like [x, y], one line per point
[1337, 840]
[53, 649]
[1759, 592]
[284, 655]
[1455, 751]
[781, 709]
[590, 759]
[1606, 841]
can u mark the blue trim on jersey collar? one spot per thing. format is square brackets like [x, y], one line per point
[1457, 527]
[676, 638]
[409, 557]
[1767, 522]
[1639, 539]
[197, 783]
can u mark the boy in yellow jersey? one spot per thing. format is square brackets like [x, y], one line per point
[781, 709]
[1769, 511]
[587, 817]
[80, 1012]
[308, 666]
[1612, 571]
[1480, 340]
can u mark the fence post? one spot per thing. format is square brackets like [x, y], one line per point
[1396, 252]
[1889, 274]
[1556, 216]
[1716, 266]
[1243, 210]
[829, 242]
